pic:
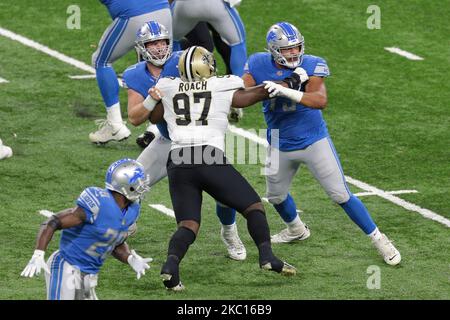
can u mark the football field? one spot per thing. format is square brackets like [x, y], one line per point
[388, 115]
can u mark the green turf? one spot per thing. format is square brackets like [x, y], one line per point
[388, 116]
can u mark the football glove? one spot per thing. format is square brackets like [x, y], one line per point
[297, 78]
[138, 263]
[35, 265]
[277, 90]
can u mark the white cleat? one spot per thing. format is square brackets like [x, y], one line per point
[387, 250]
[287, 235]
[108, 131]
[235, 247]
[179, 287]
[5, 151]
[235, 115]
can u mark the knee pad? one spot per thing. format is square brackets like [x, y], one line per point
[276, 199]
[339, 197]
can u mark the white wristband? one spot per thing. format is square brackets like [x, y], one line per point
[294, 95]
[129, 258]
[150, 103]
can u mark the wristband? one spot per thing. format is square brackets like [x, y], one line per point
[150, 103]
[294, 95]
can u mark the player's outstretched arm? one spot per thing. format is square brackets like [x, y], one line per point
[246, 97]
[62, 220]
[122, 253]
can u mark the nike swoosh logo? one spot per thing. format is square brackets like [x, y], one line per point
[390, 259]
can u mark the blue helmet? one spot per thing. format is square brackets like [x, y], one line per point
[127, 177]
[149, 32]
[284, 35]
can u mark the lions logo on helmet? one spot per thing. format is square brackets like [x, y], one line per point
[284, 35]
[196, 63]
[127, 177]
[149, 32]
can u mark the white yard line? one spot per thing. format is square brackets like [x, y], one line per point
[46, 213]
[403, 53]
[3, 80]
[363, 194]
[83, 76]
[163, 209]
[239, 131]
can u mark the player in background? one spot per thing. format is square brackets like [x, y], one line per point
[223, 18]
[117, 40]
[154, 45]
[196, 108]
[303, 134]
[96, 227]
[5, 151]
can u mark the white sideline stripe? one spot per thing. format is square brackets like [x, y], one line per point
[3, 80]
[398, 201]
[55, 54]
[363, 194]
[46, 213]
[83, 76]
[163, 209]
[403, 53]
[362, 185]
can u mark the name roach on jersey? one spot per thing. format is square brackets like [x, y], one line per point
[188, 86]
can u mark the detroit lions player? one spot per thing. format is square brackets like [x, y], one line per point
[196, 108]
[303, 134]
[96, 227]
[118, 39]
[154, 45]
[5, 151]
[224, 19]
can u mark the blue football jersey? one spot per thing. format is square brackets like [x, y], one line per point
[138, 78]
[86, 246]
[298, 125]
[131, 8]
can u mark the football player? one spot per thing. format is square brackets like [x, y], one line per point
[303, 135]
[117, 40]
[5, 151]
[154, 45]
[96, 227]
[223, 18]
[195, 108]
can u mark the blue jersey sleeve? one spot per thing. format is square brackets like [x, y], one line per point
[170, 68]
[88, 200]
[315, 66]
[132, 80]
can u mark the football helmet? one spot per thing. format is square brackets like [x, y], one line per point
[284, 35]
[127, 177]
[149, 32]
[196, 63]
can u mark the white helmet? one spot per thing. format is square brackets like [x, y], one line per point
[127, 177]
[149, 32]
[284, 35]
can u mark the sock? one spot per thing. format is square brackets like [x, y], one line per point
[295, 224]
[113, 114]
[227, 216]
[375, 235]
[287, 209]
[356, 210]
[108, 85]
[180, 242]
[238, 59]
[259, 231]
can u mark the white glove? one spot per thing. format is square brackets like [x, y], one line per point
[35, 265]
[277, 90]
[302, 74]
[138, 263]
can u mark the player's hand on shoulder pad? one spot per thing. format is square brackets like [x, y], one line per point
[297, 78]
[138, 263]
[155, 93]
[36, 263]
[274, 89]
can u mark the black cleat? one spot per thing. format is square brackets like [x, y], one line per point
[145, 139]
[170, 275]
